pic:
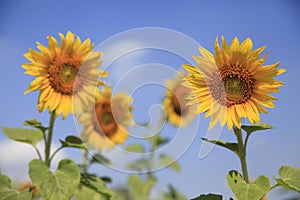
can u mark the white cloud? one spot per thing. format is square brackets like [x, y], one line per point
[15, 156]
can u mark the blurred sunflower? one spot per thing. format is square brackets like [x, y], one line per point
[233, 84]
[106, 123]
[174, 103]
[62, 72]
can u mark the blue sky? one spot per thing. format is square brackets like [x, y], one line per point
[271, 23]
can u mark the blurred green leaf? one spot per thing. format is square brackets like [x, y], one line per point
[289, 177]
[257, 127]
[28, 136]
[73, 142]
[85, 193]
[35, 124]
[244, 191]
[58, 185]
[98, 158]
[173, 194]
[139, 188]
[7, 193]
[228, 145]
[140, 164]
[166, 160]
[209, 197]
[95, 183]
[136, 148]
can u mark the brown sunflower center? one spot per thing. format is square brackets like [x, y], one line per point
[232, 85]
[68, 74]
[62, 74]
[178, 100]
[105, 122]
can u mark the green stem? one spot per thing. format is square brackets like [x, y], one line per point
[84, 161]
[49, 140]
[274, 186]
[242, 153]
[38, 153]
[55, 152]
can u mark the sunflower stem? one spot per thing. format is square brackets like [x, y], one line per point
[49, 140]
[84, 161]
[242, 153]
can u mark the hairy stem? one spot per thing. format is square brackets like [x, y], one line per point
[242, 153]
[49, 140]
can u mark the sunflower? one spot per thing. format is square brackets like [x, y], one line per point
[106, 122]
[64, 72]
[174, 103]
[233, 84]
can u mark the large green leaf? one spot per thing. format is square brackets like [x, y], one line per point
[139, 188]
[95, 183]
[58, 185]
[289, 177]
[209, 197]
[257, 127]
[166, 160]
[244, 191]
[74, 142]
[228, 145]
[23, 135]
[7, 193]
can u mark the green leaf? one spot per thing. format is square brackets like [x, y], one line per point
[73, 142]
[98, 158]
[35, 124]
[228, 145]
[23, 135]
[95, 183]
[139, 188]
[7, 193]
[257, 127]
[173, 194]
[136, 148]
[289, 177]
[244, 191]
[166, 160]
[84, 193]
[209, 197]
[58, 185]
[140, 164]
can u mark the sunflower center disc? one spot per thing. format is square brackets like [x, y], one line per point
[234, 87]
[68, 74]
[105, 120]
